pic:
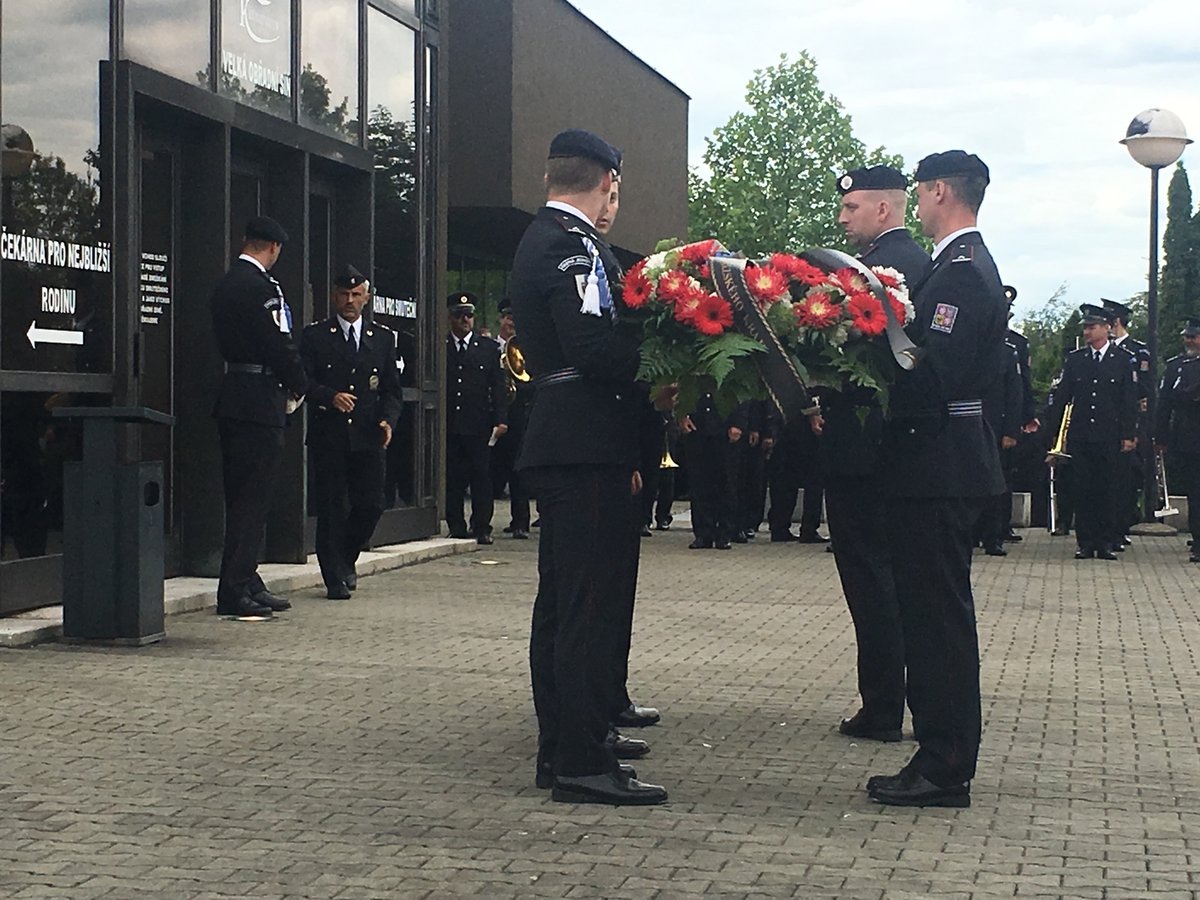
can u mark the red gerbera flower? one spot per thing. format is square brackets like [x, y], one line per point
[786, 263]
[673, 284]
[698, 252]
[687, 305]
[889, 281]
[806, 273]
[637, 287]
[867, 314]
[713, 315]
[817, 310]
[897, 307]
[704, 271]
[766, 283]
[849, 281]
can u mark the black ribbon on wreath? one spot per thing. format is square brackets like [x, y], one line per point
[784, 385]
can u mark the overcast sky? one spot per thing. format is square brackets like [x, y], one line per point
[1042, 91]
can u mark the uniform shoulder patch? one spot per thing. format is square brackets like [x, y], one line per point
[572, 261]
[963, 253]
[271, 303]
[943, 318]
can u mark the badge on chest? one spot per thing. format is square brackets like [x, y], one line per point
[944, 316]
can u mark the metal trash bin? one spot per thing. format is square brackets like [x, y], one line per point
[113, 564]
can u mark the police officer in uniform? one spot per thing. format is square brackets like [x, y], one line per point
[354, 404]
[941, 465]
[581, 455]
[849, 426]
[253, 326]
[708, 439]
[1130, 478]
[508, 446]
[1028, 415]
[476, 416]
[1177, 430]
[1099, 379]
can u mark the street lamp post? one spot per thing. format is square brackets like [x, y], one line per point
[1155, 139]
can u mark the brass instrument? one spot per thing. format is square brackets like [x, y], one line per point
[1056, 453]
[1161, 472]
[667, 462]
[512, 361]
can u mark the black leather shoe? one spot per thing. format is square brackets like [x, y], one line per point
[1105, 553]
[337, 591]
[351, 579]
[1013, 538]
[634, 716]
[1059, 532]
[646, 532]
[700, 544]
[459, 534]
[723, 545]
[812, 537]
[520, 534]
[858, 727]
[1085, 553]
[740, 538]
[912, 789]
[786, 538]
[244, 607]
[484, 539]
[544, 778]
[627, 748]
[537, 523]
[610, 788]
[662, 526]
[996, 549]
[1194, 557]
[272, 601]
[508, 529]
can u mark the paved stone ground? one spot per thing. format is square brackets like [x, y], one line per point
[383, 747]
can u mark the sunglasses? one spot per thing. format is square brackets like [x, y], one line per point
[463, 315]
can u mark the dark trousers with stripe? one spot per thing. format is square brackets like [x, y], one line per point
[249, 453]
[579, 616]
[930, 541]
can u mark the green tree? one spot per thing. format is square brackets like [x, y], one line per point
[1049, 330]
[1179, 286]
[771, 168]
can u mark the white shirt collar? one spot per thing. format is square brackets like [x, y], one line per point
[463, 341]
[568, 208]
[250, 259]
[951, 238]
[1103, 350]
[355, 326]
[1119, 340]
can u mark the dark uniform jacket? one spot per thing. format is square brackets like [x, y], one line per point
[1104, 394]
[476, 393]
[849, 443]
[1020, 345]
[1141, 359]
[369, 374]
[930, 448]
[1178, 414]
[897, 250]
[586, 408]
[247, 311]
[1002, 399]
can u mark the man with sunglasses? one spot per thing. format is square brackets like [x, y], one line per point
[476, 414]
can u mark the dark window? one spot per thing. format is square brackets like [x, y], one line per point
[57, 261]
[171, 36]
[329, 67]
[256, 53]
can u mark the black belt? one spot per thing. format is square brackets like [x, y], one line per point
[963, 409]
[247, 369]
[558, 376]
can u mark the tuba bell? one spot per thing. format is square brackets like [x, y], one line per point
[512, 361]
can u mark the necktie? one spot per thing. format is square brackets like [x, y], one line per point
[350, 342]
[1096, 354]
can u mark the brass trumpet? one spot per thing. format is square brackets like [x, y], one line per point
[1056, 453]
[512, 361]
[667, 462]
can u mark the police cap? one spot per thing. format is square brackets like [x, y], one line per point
[346, 276]
[872, 178]
[950, 164]
[576, 142]
[504, 307]
[1010, 293]
[462, 301]
[1191, 327]
[1117, 310]
[1091, 314]
[264, 228]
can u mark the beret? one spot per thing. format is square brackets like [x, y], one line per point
[950, 164]
[872, 178]
[576, 142]
[264, 228]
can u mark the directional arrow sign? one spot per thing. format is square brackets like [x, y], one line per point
[52, 336]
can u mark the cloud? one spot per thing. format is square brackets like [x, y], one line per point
[1043, 92]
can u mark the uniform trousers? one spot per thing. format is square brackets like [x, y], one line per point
[580, 613]
[855, 507]
[619, 698]
[503, 458]
[468, 465]
[349, 501]
[930, 544]
[785, 483]
[1095, 471]
[708, 482]
[1185, 478]
[249, 456]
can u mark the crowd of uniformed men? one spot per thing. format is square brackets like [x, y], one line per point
[553, 410]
